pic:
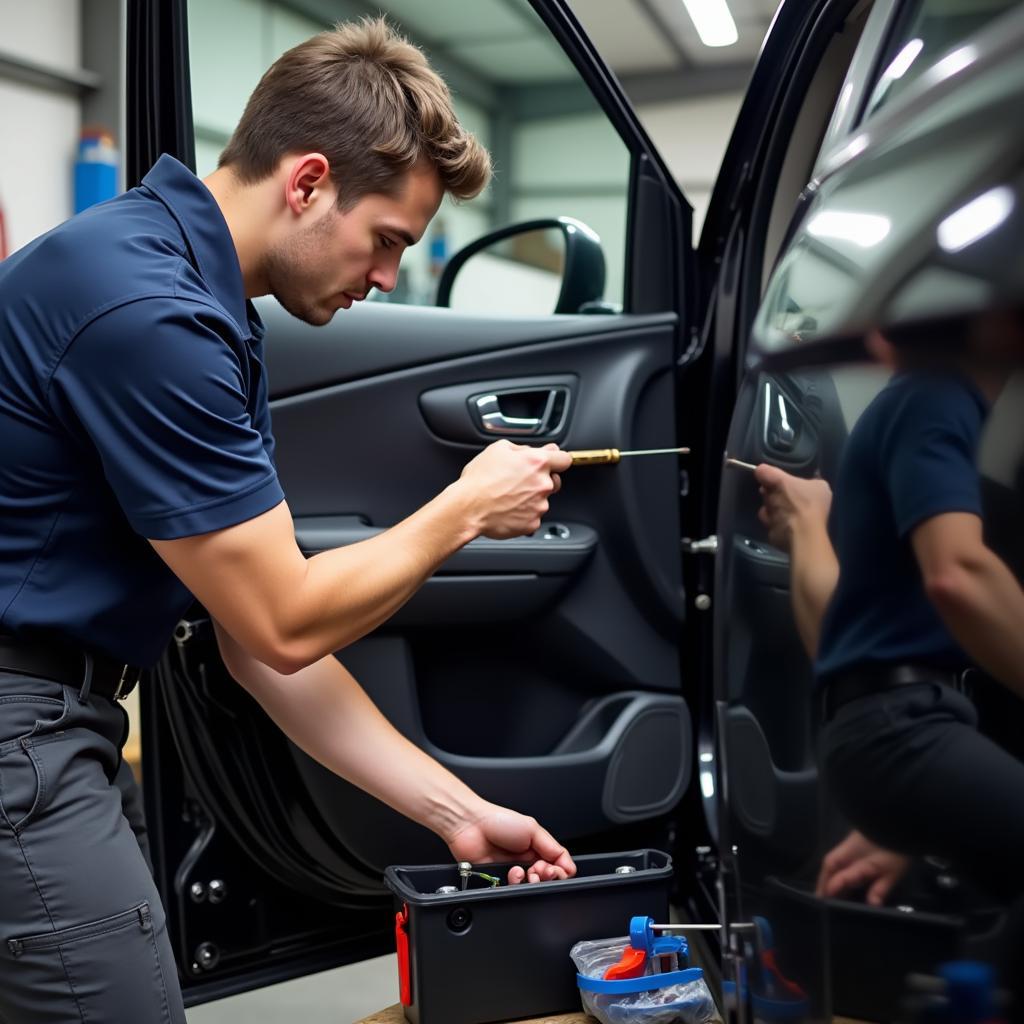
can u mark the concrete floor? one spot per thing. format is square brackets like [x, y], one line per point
[341, 996]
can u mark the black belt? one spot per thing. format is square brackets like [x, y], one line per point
[87, 671]
[846, 686]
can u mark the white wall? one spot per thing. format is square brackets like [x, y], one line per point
[38, 128]
[554, 157]
[692, 136]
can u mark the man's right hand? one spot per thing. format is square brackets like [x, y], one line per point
[508, 486]
[859, 863]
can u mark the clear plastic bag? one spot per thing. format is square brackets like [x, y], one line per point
[687, 1003]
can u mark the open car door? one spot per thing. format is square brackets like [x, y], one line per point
[544, 671]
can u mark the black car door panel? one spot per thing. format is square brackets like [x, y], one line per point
[543, 670]
[764, 686]
[341, 447]
[486, 581]
[595, 762]
[398, 339]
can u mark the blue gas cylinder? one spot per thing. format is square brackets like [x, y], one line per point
[95, 169]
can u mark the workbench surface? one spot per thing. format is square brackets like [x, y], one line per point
[393, 1015]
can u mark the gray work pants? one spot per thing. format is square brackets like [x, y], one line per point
[82, 932]
[909, 768]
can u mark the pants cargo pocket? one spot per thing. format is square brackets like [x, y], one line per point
[112, 969]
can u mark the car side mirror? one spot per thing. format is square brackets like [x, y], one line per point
[538, 267]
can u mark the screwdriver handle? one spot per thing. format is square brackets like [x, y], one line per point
[595, 457]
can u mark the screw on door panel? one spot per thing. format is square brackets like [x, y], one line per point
[206, 957]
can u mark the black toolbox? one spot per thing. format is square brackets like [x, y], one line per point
[487, 954]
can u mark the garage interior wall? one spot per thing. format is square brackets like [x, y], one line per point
[39, 125]
[61, 68]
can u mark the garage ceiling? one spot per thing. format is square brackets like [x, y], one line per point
[650, 44]
[658, 35]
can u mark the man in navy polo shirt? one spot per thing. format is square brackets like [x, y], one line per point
[137, 470]
[893, 615]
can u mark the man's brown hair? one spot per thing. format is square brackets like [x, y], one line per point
[368, 100]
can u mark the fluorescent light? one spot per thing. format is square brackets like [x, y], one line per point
[863, 229]
[713, 22]
[899, 66]
[844, 100]
[707, 784]
[902, 61]
[707, 757]
[852, 149]
[956, 61]
[976, 219]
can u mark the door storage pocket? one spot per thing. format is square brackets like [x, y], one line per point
[109, 969]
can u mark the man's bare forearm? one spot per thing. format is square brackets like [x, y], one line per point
[814, 572]
[326, 713]
[982, 604]
[289, 611]
[379, 574]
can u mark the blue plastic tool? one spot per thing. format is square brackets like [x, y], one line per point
[641, 936]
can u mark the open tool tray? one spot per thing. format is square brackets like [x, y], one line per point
[491, 954]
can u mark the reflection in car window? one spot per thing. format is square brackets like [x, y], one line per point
[554, 151]
[931, 30]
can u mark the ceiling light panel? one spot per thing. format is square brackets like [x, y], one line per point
[750, 18]
[713, 21]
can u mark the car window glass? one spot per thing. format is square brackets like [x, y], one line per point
[554, 151]
[930, 31]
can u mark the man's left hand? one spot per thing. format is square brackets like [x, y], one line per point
[500, 834]
[789, 503]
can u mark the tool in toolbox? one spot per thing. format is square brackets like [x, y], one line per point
[610, 456]
[466, 872]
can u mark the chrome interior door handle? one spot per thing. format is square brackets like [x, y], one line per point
[488, 413]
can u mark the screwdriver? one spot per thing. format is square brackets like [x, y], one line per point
[610, 456]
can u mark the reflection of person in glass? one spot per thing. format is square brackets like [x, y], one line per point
[893, 616]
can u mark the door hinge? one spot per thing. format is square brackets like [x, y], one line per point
[704, 546]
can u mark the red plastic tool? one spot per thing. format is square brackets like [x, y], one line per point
[791, 988]
[630, 965]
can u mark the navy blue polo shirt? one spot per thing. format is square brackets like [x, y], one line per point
[911, 456]
[133, 405]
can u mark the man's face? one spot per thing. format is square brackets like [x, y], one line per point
[336, 260]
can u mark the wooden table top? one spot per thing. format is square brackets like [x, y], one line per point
[394, 1015]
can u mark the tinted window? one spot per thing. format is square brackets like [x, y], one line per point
[929, 31]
